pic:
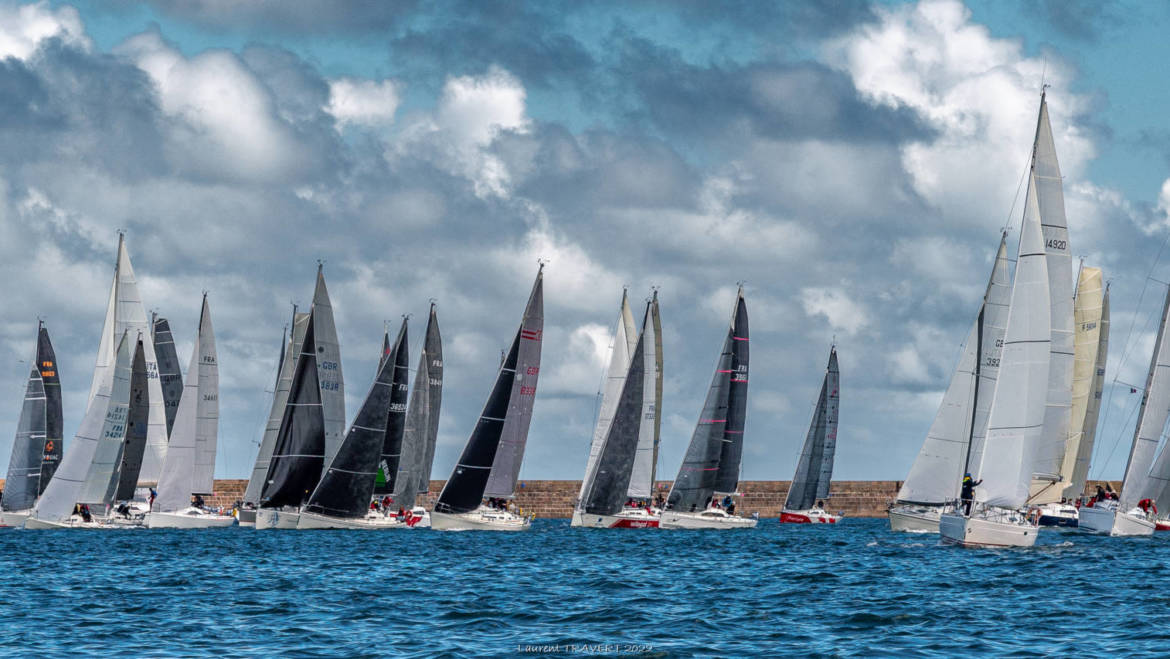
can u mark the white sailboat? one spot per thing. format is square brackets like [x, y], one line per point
[1016, 418]
[814, 472]
[196, 426]
[956, 435]
[1144, 476]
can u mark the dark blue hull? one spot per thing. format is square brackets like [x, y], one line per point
[1065, 522]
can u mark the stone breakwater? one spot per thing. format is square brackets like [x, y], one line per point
[554, 499]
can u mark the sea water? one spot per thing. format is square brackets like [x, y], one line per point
[850, 589]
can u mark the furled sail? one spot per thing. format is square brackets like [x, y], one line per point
[328, 358]
[1143, 479]
[348, 483]
[1056, 438]
[36, 451]
[169, 376]
[298, 455]
[1092, 334]
[391, 455]
[505, 418]
[288, 358]
[1016, 419]
[196, 425]
[937, 472]
[731, 452]
[814, 471]
[642, 475]
[104, 420]
[615, 462]
[125, 313]
[134, 447]
[625, 338]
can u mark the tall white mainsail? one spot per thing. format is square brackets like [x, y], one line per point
[125, 314]
[625, 338]
[1056, 439]
[1016, 418]
[1142, 479]
[196, 425]
[1092, 336]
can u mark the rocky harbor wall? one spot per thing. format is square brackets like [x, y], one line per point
[554, 499]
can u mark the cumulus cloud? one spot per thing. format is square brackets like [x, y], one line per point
[363, 102]
[834, 304]
[24, 27]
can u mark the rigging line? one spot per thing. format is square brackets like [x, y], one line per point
[1116, 442]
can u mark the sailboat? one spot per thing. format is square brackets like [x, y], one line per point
[104, 423]
[1016, 418]
[490, 462]
[301, 446]
[712, 461]
[959, 427]
[36, 451]
[1091, 313]
[619, 466]
[389, 462]
[125, 314]
[196, 426]
[1145, 476]
[290, 349]
[814, 472]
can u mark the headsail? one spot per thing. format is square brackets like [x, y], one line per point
[328, 358]
[1092, 335]
[993, 323]
[134, 447]
[36, 451]
[391, 456]
[104, 420]
[169, 376]
[505, 418]
[185, 470]
[814, 471]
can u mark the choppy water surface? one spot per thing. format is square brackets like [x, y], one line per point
[851, 589]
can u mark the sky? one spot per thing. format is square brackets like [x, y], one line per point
[852, 164]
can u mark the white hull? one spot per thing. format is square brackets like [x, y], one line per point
[712, 518]
[14, 518]
[246, 517]
[914, 519]
[627, 519]
[371, 522]
[75, 522]
[1106, 519]
[188, 518]
[480, 519]
[271, 518]
[997, 530]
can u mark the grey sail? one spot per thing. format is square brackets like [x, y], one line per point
[615, 463]
[288, 356]
[657, 323]
[298, 455]
[815, 469]
[134, 445]
[196, 424]
[731, 453]
[348, 483]
[391, 457]
[468, 483]
[411, 478]
[104, 420]
[102, 478]
[434, 356]
[514, 435]
[36, 451]
[695, 483]
[170, 378]
[328, 357]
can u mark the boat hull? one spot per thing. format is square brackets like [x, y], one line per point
[1107, 520]
[704, 520]
[480, 520]
[980, 532]
[188, 519]
[271, 518]
[627, 519]
[1059, 515]
[246, 516]
[1162, 525]
[14, 518]
[811, 516]
[73, 523]
[914, 519]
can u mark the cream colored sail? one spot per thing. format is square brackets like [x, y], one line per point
[1088, 308]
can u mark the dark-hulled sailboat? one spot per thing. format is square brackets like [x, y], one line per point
[490, 462]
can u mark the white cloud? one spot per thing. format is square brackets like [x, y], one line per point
[23, 28]
[363, 102]
[833, 303]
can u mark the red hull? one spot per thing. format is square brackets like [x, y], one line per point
[635, 524]
[1161, 525]
[793, 518]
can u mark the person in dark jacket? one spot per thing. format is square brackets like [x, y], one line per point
[968, 492]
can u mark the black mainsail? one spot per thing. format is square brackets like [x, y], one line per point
[170, 376]
[434, 356]
[347, 485]
[497, 443]
[134, 445]
[731, 454]
[815, 469]
[398, 356]
[298, 454]
[36, 452]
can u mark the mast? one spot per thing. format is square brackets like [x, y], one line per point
[1142, 481]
